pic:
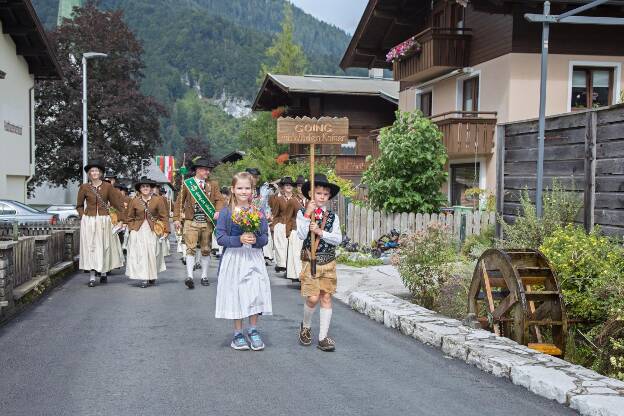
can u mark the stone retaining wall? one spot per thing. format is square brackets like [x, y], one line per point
[584, 390]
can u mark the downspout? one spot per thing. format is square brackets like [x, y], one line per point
[31, 133]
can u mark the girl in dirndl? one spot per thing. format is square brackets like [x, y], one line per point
[143, 244]
[243, 289]
[100, 249]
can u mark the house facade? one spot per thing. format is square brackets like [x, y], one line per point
[25, 56]
[476, 64]
[368, 102]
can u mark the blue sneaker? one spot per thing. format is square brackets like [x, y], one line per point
[255, 340]
[239, 343]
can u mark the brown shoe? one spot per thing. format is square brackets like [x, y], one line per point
[327, 344]
[305, 336]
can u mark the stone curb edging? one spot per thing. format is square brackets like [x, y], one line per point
[581, 389]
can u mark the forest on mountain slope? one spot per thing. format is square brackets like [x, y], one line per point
[211, 47]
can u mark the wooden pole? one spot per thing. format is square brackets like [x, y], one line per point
[312, 235]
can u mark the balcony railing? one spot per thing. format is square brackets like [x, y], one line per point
[442, 50]
[467, 133]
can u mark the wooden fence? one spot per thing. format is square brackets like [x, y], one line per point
[23, 255]
[366, 225]
[583, 151]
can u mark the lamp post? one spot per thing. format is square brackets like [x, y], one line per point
[85, 56]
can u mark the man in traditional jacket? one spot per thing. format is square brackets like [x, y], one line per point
[198, 205]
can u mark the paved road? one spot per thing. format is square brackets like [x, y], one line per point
[122, 350]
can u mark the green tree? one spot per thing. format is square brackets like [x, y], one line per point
[123, 123]
[284, 56]
[409, 173]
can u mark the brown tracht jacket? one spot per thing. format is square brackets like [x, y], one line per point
[109, 195]
[284, 211]
[135, 214]
[184, 205]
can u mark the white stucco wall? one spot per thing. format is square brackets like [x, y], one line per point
[15, 108]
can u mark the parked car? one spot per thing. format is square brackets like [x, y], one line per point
[11, 211]
[64, 212]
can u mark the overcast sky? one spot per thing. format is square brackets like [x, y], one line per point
[343, 13]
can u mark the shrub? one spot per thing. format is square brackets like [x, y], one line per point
[453, 300]
[476, 244]
[409, 173]
[425, 263]
[560, 207]
[590, 268]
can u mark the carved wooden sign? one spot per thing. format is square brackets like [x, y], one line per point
[306, 130]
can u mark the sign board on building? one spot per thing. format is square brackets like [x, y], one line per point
[306, 130]
[12, 128]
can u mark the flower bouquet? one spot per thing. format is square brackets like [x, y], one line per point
[248, 219]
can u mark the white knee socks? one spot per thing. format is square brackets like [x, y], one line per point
[205, 263]
[307, 315]
[325, 320]
[92, 276]
[190, 265]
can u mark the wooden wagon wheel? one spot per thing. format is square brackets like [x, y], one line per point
[515, 293]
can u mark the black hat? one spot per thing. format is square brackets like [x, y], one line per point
[300, 180]
[95, 163]
[120, 186]
[144, 181]
[320, 180]
[286, 180]
[110, 174]
[202, 162]
[253, 171]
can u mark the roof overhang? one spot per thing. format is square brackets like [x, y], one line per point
[384, 24]
[274, 93]
[19, 20]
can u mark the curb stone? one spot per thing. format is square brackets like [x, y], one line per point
[581, 389]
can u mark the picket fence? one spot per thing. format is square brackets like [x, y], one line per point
[366, 225]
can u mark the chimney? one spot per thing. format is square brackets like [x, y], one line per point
[376, 73]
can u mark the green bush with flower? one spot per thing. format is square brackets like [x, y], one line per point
[590, 268]
[426, 261]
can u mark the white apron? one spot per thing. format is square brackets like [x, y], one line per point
[293, 269]
[268, 249]
[243, 287]
[100, 249]
[280, 242]
[143, 247]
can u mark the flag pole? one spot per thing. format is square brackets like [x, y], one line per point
[312, 235]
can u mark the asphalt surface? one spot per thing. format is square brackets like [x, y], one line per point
[117, 349]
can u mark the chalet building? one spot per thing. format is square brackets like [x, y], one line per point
[368, 102]
[25, 56]
[475, 63]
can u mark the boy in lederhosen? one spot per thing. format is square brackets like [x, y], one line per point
[318, 219]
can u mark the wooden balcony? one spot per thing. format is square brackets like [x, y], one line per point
[467, 133]
[442, 51]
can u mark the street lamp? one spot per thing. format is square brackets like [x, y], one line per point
[85, 56]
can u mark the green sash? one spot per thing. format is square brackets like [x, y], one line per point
[200, 197]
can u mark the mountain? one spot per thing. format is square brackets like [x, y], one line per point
[215, 48]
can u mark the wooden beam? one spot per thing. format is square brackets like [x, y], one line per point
[17, 30]
[30, 51]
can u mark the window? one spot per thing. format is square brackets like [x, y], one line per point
[6, 210]
[463, 176]
[591, 87]
[349, 148]
[425, 103]
[470, 94]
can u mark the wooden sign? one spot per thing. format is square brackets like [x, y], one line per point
[306, 130]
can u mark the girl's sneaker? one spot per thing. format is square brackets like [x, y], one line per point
[239, 343]
[255, 340]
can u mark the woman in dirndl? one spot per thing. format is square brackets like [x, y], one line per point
[144, 213]
[99, 205]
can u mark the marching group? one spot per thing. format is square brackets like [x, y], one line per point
[205, 217]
